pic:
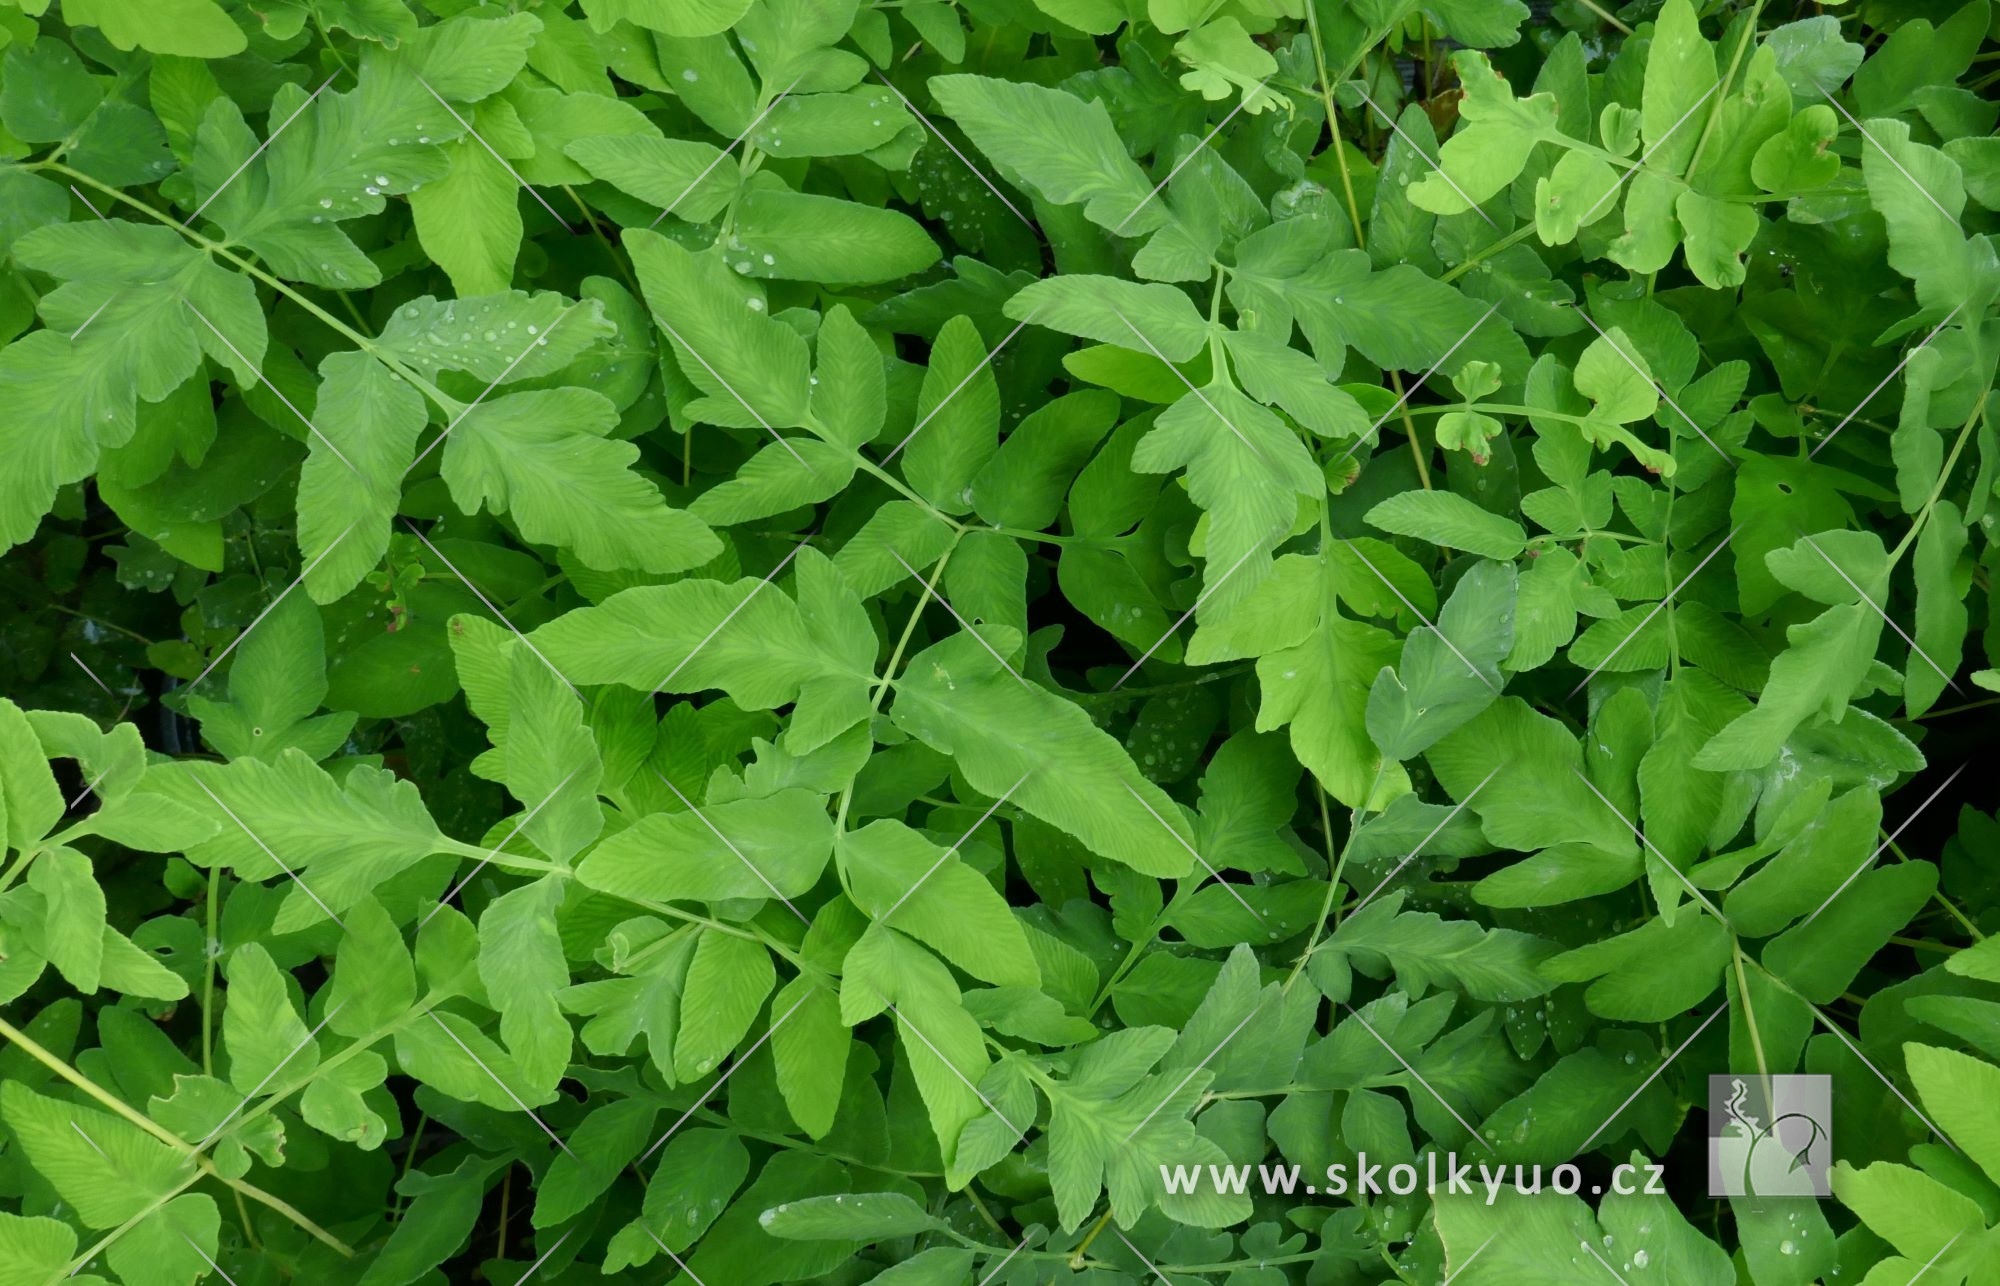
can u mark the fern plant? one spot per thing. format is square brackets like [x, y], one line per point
[755, 641]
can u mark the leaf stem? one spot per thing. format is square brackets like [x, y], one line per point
[285, 288]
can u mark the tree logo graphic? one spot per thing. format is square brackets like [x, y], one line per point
[1769, 1136]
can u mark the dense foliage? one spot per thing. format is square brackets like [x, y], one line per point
[753, 641]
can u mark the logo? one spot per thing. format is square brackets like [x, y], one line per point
[1769, 1136]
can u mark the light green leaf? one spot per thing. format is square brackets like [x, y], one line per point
[958, 418]
[544, 459]
[1449, 519]
[900, 877]
[1146, 316]
[1042, 752]
[1062, 147]
[346, 506]
[726, 986]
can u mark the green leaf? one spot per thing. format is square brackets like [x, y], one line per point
[784, 838]
[521, 966]
[1955, 1089]
[1448, 674]
[1449, 519]
[793, 236]
[260, 1029]
[958, 418]
[544, 459]
[340, 840]
[864, 1217]
[809, 1049]
[73, 933]
[1488, 150]
[745, 638]
[192, 28]
[1014, 739]
[368, 421]
[1424, 950]
[107, 1169]
[374, 980]
[1148, 316]
[899, 877]
[751, 368]
[1063, 147]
